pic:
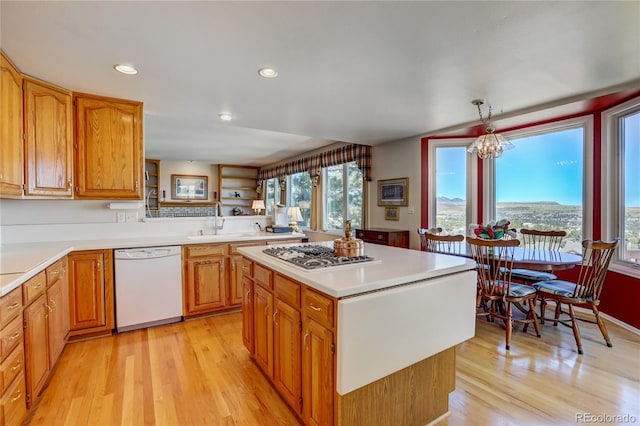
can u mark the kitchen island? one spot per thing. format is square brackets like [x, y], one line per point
[364, 343]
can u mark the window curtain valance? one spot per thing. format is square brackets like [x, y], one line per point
[313, 164]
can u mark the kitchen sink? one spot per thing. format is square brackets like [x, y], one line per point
[211, 237]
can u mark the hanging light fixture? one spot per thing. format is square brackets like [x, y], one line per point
[489, 145]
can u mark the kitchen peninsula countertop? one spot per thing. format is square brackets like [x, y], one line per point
[19, 262]
[391, 267]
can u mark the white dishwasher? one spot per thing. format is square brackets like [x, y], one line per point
[148, 286]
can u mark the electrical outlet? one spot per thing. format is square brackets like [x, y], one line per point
[411, 210]
[120, 217]
[132, 216]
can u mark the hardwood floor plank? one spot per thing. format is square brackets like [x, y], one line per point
[199, 373]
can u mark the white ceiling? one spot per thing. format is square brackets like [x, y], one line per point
[362, 72]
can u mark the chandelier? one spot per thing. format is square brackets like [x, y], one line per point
[489, 145]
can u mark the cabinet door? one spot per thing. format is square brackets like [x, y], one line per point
[108, 148]
[56, 321]
[247, 313]
[11, 164]
[318, 386]
[49, 140]
[87, 290]
[36, 347]
[205, 284]
[286, 352]
[235, 280]
[263, 329]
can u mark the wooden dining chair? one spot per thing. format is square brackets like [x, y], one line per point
[449, 244]
[596, 256]
[423, 231]
[534, 239]
[494, 259]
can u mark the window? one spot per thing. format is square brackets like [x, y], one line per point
[342, 196]
[271, 195]
[299, 195]
[621, 191]
[453, 181]
[540, 183]
[544, 182]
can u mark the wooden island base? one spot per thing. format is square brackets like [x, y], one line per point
[416, 395]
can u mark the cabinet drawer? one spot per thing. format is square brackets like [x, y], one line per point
[33, 288]
[318, 307]
[11, 367]
[370, 236]
[287, 290]
[262, 276]
[13, 408]
[10, 336]
[233, 247]
[10, 306]
[55, 271]
[247, 267]
[206, 250]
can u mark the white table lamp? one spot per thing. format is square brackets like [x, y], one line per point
[257, 206]
[295, 215]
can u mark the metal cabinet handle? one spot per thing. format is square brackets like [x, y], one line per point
[315, 308]
[266, 310]
[274, 317]
[304, 340]
[15, 336]
[48, 307]
[13, 306]
[17, 397]
[37, 287]
[16, 366]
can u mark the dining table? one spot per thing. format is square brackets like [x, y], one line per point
[529, 258]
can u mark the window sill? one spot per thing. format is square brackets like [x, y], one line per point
[624, 269]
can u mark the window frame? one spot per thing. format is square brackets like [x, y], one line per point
[288, 197]
[612, 224]
[586, 122]
[472, 177]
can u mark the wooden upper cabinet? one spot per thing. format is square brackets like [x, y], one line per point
[48, 145]
[109, 156]
[11, 164]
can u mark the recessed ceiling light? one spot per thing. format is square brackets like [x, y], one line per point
[268, 72]
[225, 116]
[125, 69]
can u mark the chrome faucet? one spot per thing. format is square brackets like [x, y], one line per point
[215, 220]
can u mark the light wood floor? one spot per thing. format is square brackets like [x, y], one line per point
[199, 373]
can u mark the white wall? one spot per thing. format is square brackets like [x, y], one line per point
[394, 160]
[198, 168]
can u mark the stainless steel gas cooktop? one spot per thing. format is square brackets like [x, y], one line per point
[312, 256]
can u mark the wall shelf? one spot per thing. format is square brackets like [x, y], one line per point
[237, 179]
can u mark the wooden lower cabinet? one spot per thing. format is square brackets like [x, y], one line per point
[204, 278]
[36, 345]
[286, 352]
[247, 313]
[263, 329]
[293, 342]
[13, 405]
[91, 304]
[235, 279]
[318, 384]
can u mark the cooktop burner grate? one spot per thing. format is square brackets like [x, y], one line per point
[311, 256]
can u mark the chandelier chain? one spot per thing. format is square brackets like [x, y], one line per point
[484, 121]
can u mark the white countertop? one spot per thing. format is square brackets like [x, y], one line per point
[19, 262]
[392, 266]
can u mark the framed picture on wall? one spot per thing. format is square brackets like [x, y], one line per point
[391, 213]
[188, 187]
[393, 192]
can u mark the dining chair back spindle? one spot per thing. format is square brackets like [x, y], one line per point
[447, 244]
[496, 291]
[533, 239]
[586, 290]
[423, 231]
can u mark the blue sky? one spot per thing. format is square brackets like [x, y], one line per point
[541, 168]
